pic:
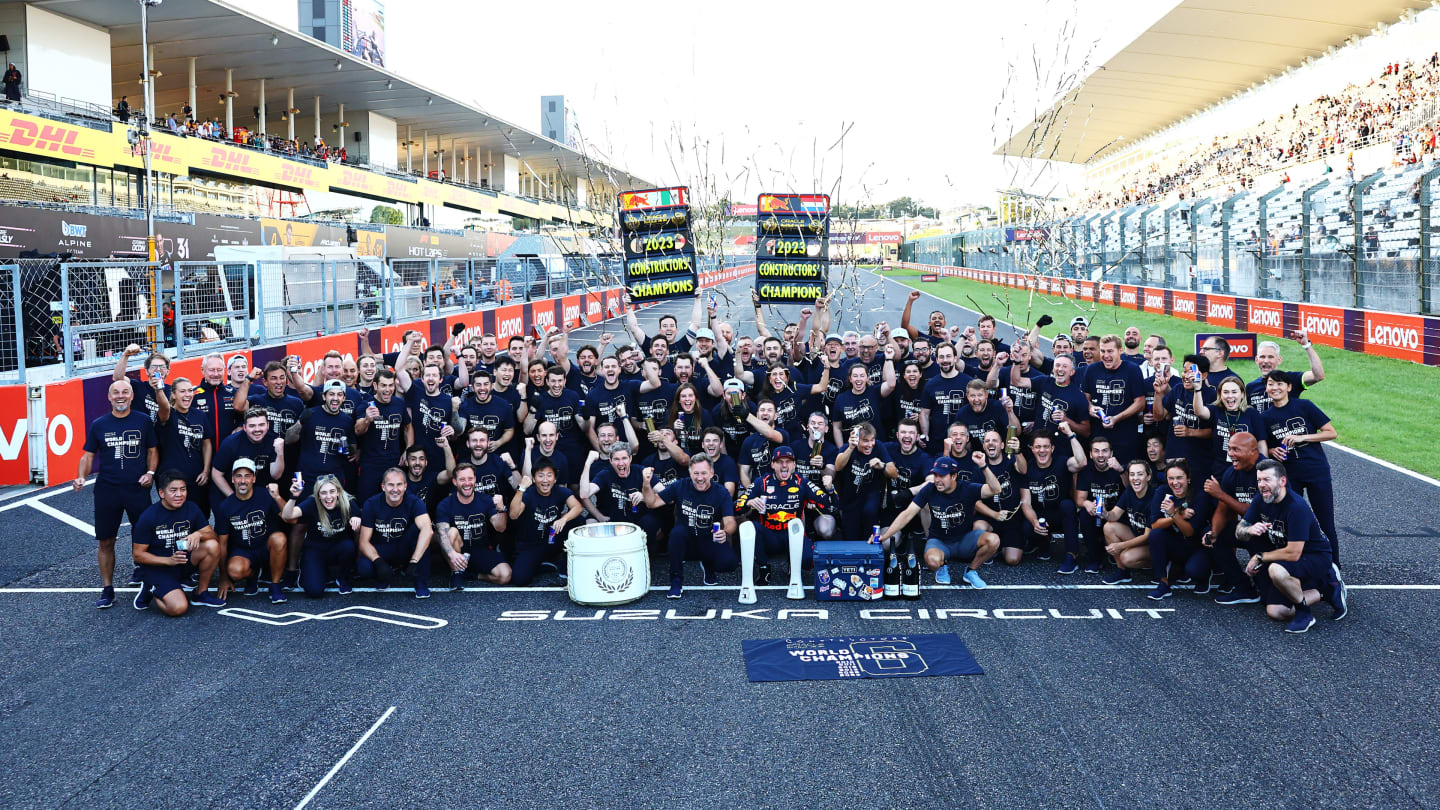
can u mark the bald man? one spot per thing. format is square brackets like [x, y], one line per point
[1232, 490]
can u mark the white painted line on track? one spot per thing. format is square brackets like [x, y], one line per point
[348, 754]
[1404, 586]
[33, 499]
[1425, 479]
[71, 520]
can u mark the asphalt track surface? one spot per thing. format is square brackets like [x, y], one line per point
[1179, 703]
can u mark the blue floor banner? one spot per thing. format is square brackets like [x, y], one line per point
[846, 657]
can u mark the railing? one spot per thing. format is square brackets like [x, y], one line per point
[1366, 243]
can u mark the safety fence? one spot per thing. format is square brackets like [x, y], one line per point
[1365, 242]
[84, 315]
[1388, 334]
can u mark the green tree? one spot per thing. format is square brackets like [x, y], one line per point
[386, 215]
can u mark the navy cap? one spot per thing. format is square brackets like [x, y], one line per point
[945, 465]
[783, 451]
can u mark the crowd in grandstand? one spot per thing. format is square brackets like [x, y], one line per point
[185, 124]
[1330, 128]
[945, 446]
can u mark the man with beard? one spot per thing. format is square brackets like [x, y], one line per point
[1131, 352]
[668, 328]
[494, 474]
[480, 409]
[120, 447]
[1002, 510]
[944, 396]
[431, 409]
[1097, 490]
[424, 481]
[1117, 395]
[248, 526]
[935, 333]
[1217, 351]
[467, 524]
[332, 369]
[758, 448]
[1061, 400]
[862, 467]
[615, 494]
[981, 416]
[611, 402]
[326, 436]
[383, 431]
[704, 521]
[902, 571]
[986, 328]
[1297, 564]
[953, 534]
[982, 364]
[255, 441]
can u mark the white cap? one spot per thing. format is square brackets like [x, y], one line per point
[899, 332]
[704, 333]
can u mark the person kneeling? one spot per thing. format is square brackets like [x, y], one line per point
[172, 539]
[250, 534]
[953, 535]
[395, 531]
[467, 523]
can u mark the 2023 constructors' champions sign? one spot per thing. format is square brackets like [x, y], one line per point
[792, 247]
[659, 247]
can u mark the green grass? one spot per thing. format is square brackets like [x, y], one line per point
[1380, 406]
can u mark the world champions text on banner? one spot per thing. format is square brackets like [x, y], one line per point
[659, 247]
[792, 247]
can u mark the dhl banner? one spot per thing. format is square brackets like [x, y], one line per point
[182, 155]
[1387, 334]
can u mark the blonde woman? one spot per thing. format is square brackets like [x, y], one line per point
[331, 518]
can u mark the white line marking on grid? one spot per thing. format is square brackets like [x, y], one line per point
[348, 754]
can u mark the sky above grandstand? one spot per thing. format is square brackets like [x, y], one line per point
[869, 102]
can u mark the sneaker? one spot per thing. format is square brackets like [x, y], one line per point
[277, 594]
[972, 577]
[1092, 567]
[1043, 553]
[676, 588]
[291, 580]
[550, 566]
[342, 584]
[107, 598]
[942, 575]
[1068, 566]
[1337, 597]
[206, 599]
[252, 585]
[457, 581]
[1304, 620]
[143, 598]
[1161, 591]
[1117, 577]
[191, 582]
[422, 589]
[1238, 597]
[707, 576]
[1202, 586]
[1184, 581]
[135, 578]
[762, 574]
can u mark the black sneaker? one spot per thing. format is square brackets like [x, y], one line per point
[457, 581]
[762, 574]
[1338, 594]
[143, 599]
[291, 580]
[1237, 597]
[1202, 586]
[707, 576]
[135, 577]
[252, 585]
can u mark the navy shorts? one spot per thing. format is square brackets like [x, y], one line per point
[258, 557]
[112, 503]
[162, 579]
[962, 550]
[483, 560]
[1312, 570]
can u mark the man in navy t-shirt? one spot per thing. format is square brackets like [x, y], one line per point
[1117, 396]
[1294, 432]
[468, 524]
[120, 447]
[250, 532]
[1297, 568]
[953, 535]
[704, 522]
[395, 533]
[172, 540]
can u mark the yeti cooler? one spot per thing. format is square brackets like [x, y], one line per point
[848, 571]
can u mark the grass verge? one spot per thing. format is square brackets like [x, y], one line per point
[1380, 406]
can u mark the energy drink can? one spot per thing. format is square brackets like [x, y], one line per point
[1099, 509]
[550, 538]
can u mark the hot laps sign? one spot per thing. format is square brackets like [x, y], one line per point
[659, 248]
[792, 247]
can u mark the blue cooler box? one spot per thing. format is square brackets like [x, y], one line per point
[848, 571]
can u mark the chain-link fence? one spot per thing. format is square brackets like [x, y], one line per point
[1367, 242]
[82, 314]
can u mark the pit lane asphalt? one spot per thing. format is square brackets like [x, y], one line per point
[1205, 705]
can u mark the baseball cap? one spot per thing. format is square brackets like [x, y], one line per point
[704, 333]
[899, 332]
[945, 466]
[833, 336]
[242, 464]
[333, 385]
[783, 451]
[1079, 319]
[734, 385]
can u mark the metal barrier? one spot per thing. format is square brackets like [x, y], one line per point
[12, 334]
[212, 306]
[1367, 242]
[105, 306]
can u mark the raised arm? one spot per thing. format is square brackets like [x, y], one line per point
[761, 328]
[905, 315]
